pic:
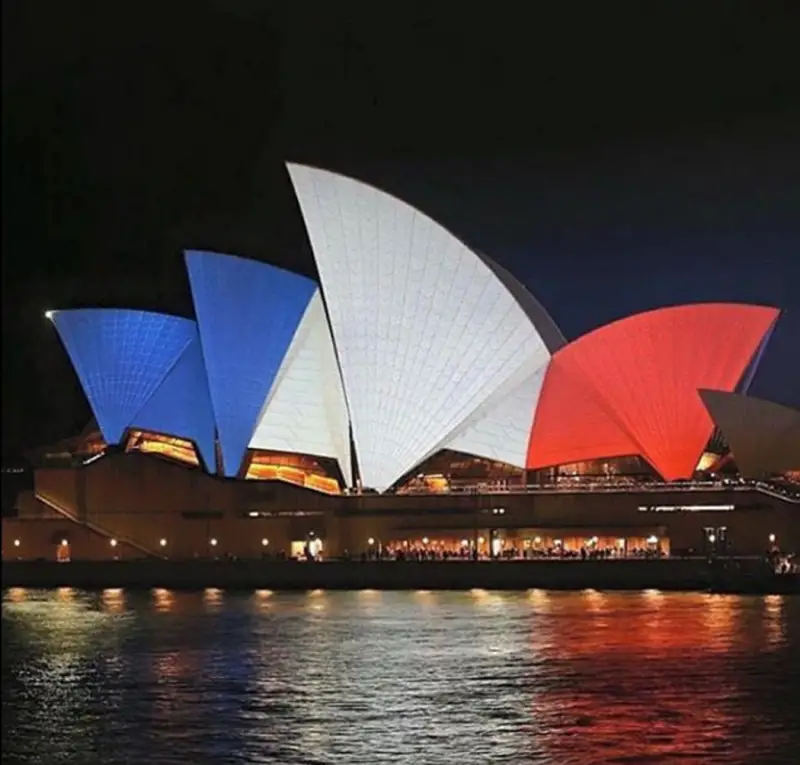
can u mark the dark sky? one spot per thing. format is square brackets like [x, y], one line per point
[613, 162]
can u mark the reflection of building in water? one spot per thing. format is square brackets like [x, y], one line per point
[635, 646]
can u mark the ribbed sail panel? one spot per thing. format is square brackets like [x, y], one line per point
[306, 411]
[644, 372]
[121, 357]
[181, 405]
[426, 332]
[248, 313]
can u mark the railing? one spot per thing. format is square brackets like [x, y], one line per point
[784, 493]
[69, 515]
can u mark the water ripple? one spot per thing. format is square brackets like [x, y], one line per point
[368, 677]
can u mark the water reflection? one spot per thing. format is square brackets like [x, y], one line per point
[164, 599]
[374, 677]
[114, 600]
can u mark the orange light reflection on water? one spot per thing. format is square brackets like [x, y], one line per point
[664, 708]
[114, 600]
[163, 599]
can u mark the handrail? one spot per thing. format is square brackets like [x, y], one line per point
[603, 487]
[69, 515]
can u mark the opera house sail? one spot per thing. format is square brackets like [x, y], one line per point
[764, 437]
[121, 358]
[428, 336]
[630, 387]
[412, 345]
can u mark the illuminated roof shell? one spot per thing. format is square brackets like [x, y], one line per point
[247, 313]
[121, 357]
[764, 437]
[630, 387]
[181, 405]
[306, 411]
[426, 331]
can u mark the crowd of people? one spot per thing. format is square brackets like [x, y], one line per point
[404, 551]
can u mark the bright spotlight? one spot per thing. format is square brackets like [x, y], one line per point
[49, 315]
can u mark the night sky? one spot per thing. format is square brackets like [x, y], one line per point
[613, 162]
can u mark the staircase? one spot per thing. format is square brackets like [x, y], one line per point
[70, 516]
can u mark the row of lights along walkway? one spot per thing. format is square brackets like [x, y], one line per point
[371, 541]
[161, 542]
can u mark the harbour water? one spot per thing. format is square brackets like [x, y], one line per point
[162, 677]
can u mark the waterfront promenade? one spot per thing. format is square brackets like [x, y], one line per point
[627, 574]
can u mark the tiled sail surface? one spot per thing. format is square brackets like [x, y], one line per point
[500, 430]
[640, 377]
[764, 436]
[573, 424]
[306, 411]
[247, 313]
[121, 357]
[426, 332]
[181, 405]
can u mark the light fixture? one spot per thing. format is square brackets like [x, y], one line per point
[264, 542]
[113, 542]
[49, 315]
[162, 542]
[481, 540]
[16, 543]
[712, 538]
[213, 542]
[371, 541]
[772, 539]
[652, 539]
[465, 543]
[425, 540]
[557, 542]
[64, 542]
[537, 540]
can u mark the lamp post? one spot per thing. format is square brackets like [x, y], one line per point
[476, 520]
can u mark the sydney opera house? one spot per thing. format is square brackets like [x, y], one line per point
[415, 397]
